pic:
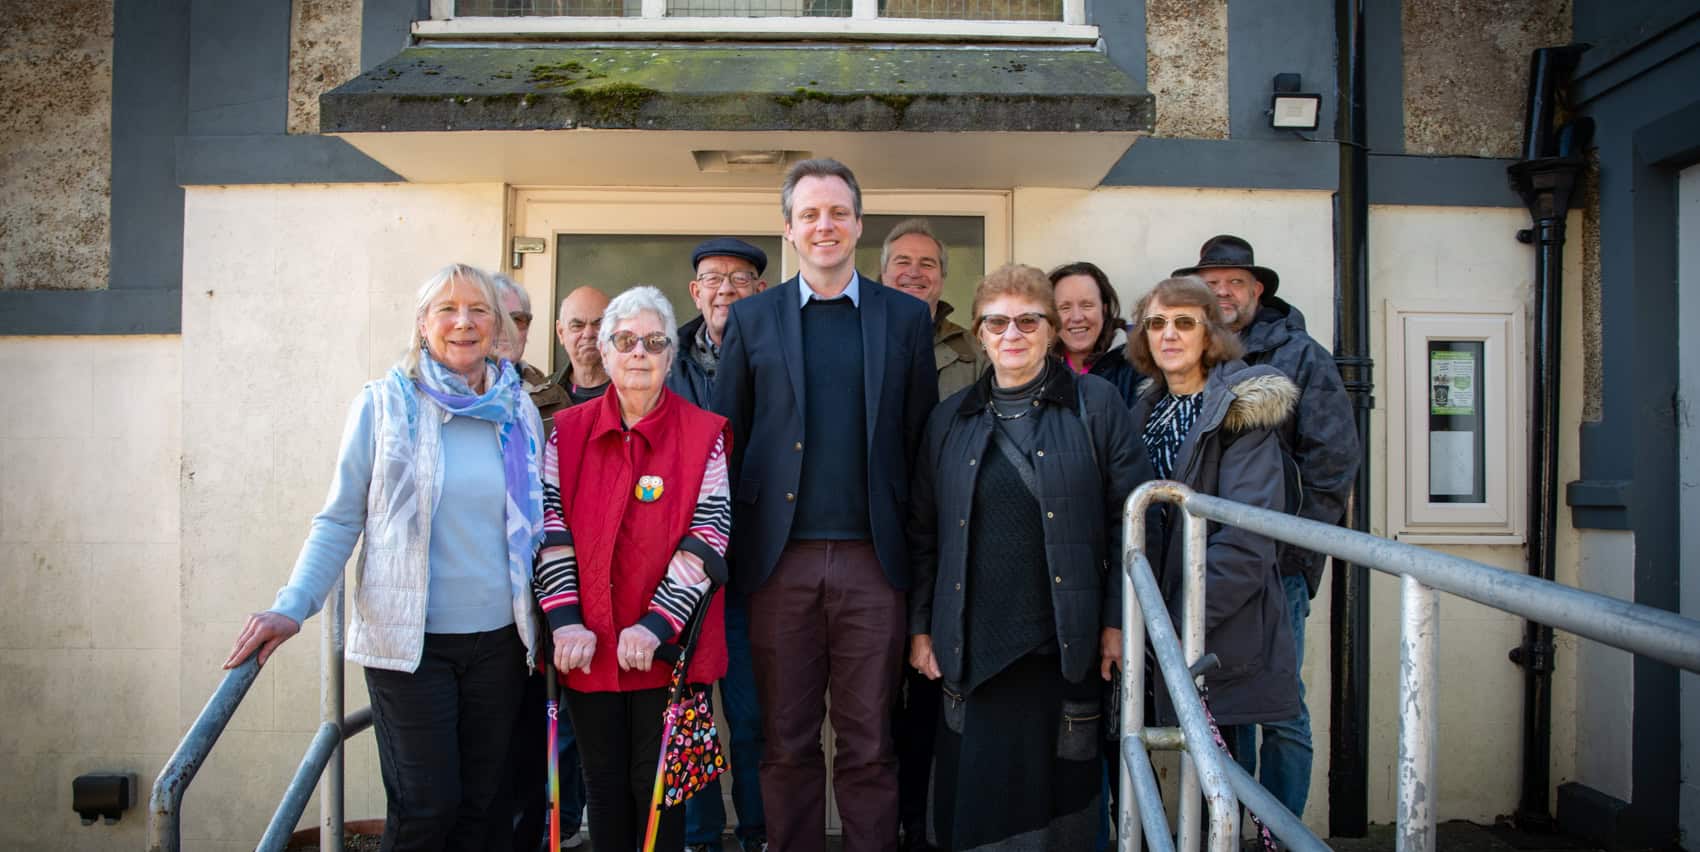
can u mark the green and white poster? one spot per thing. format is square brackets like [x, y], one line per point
[1452, 380]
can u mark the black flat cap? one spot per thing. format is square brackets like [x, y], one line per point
[729, 247]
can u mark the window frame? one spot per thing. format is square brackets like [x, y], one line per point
[863, 24]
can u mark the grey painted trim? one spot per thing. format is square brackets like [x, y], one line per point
[150, 60]
[56, 312]
[1121, 28]
[1270, 37]
[1603, 69]
[1384, 78]
[1227, 163]
[238, 67]
[386, 28]
[1441, 181]
[214, 160]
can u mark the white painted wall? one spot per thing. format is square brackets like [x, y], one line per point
[1688, 298]
[1456, 255]
[89, 452]
[293, 297]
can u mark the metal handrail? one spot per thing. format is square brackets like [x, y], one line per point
[325, 743]
[166, 801]
[1656, 633]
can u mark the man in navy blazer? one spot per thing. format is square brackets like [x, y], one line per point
[827, 380]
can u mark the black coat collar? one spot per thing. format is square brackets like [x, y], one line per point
[1058, 389]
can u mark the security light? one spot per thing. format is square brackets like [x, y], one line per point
[1291, 109]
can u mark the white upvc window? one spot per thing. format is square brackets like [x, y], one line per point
[1053, 21]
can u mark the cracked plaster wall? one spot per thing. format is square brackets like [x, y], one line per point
[324, 52]
[55, 161]
[1466, 72]
[1186, 66]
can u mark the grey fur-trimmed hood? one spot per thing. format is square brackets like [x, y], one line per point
[1261, 401]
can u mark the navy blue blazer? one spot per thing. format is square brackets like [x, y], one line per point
[759, 388]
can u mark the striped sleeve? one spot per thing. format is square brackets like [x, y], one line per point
[711, 527]
[555, 577]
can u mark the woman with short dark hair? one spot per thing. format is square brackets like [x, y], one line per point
[1209, 421]
[1015, 524]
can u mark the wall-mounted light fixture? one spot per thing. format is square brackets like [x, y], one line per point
[1291, 109]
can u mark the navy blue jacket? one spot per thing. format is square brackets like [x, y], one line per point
[759, 388]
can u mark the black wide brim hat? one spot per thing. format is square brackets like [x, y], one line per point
[1226, 251]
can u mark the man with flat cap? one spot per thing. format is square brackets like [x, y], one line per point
[1321, 438]
[724, 270]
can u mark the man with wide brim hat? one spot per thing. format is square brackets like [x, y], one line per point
[1321, 439]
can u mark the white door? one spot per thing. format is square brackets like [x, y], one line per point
[614, 239]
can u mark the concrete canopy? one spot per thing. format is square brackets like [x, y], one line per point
[944, 117]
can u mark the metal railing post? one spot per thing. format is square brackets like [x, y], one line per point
[166, 801]
[330, 716]
[1133, 677]
[1419, 615]
[1195, 542]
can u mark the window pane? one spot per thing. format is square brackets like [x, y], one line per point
[759, 8]
[614, 263]
[963, 236]
[974, 10]
[521, 8]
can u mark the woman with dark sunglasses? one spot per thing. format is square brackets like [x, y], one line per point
[636, 513]
[1015, 519]
[1209, 420]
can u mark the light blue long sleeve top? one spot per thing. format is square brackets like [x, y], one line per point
[468, 585]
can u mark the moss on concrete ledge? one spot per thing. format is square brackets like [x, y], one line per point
[839, 87]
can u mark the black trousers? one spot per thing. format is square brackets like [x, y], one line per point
[914, 723]
[442, 735]
[619, 740]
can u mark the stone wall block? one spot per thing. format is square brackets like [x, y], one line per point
[1187, 66]
[1467, 71]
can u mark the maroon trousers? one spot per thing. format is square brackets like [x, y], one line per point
[827, 621]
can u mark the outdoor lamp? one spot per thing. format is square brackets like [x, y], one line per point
[1291, 109]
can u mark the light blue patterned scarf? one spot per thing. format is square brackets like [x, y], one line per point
[501, 403]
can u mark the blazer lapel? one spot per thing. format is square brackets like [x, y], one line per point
[873, 350]
[791, 338]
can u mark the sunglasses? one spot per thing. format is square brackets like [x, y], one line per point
[1025, 323]
[654, 344]
[1183, 323]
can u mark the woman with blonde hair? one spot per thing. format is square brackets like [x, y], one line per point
[438, 482]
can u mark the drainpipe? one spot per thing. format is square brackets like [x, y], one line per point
[1547, 178]
[1348, 700]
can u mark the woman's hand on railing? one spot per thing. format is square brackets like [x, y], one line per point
[1109, 652]
[575, 645]
[263, 633]
[921, 656]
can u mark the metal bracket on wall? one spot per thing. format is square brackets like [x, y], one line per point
[1537, 657]
[523, 246]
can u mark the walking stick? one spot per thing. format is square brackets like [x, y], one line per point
[553, 691]
[669, 720]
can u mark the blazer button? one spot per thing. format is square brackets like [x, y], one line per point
[790, 497]
[1050, 514]
[962, 522]
[1059, 581]
[797, 446]
[1041, 454]
[970, 462]
[959, 587]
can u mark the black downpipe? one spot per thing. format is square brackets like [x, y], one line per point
[1554, 158]
[1348, 701]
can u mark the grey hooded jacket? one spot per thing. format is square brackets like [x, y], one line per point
[1233, 452]
[1321, 436]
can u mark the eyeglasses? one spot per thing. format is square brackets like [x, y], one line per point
[1183, 323]
[1025, 323]
[740, 280]
[521, 319]
[654, 343]
[577, 325]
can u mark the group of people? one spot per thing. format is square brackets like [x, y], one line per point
[779, 478]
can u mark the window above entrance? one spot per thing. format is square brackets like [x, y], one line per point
[962, 21]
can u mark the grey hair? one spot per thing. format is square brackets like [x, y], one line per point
[915, 226]
[820, 167]
[507, 285]
[466, 274]
[635, 301]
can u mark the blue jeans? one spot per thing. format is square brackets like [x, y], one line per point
[1287, 750]
[705, 813]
